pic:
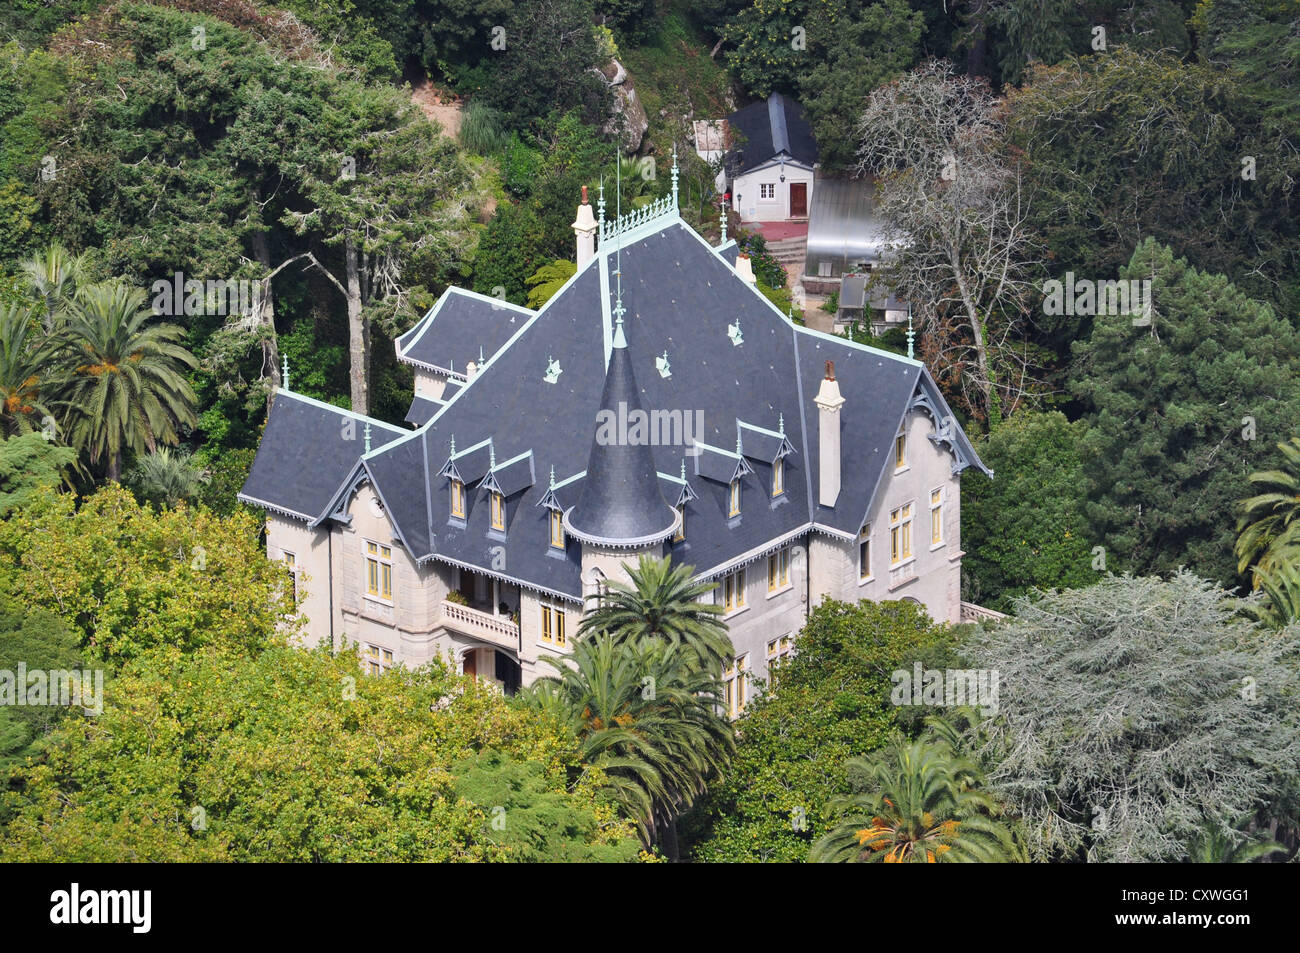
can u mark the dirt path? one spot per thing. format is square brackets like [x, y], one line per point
[439, 106]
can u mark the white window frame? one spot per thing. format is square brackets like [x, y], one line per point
[767, 191]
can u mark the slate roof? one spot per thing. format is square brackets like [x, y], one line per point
[766, 131]
[458, 326]
[621, 501]
[680, 295]
[308, 450]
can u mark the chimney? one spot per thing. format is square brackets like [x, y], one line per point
[471, 369]
[744, 268]
[829, 402]
[584, 227]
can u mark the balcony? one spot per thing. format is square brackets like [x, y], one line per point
[970, 612]
[498, 630]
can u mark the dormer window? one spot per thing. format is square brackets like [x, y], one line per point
[498, 511]
[778, 476]
[557, 529]
[458, 499]
[681, 524]
[734, 508]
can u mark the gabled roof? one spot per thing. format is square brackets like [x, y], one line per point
[459, 327]
[767, 131]
[308, 450]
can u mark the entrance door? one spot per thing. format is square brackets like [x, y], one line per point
[798, 199]
[471, 662]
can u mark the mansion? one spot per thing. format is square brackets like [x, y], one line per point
[657, 405]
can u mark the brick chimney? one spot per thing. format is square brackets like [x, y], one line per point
[584, 228]
[829, 402]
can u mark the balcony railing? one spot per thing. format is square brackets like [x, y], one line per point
[495, 629]
[970, 612]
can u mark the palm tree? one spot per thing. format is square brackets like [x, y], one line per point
[1270, 521]
[662, 603]
[125, 385]
[165, 478]
[914, 802]
[53, 276]
[24, 360]
[648, 717]
[1212, 844]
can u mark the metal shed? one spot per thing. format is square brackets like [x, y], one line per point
[844, 234]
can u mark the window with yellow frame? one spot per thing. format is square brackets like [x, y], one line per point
[498, 511]
[900, 451]
[680, 534]
[557, 529]
[733, 591]
[379, 570]
[936, 517]
[900, 534]
[735, 685]
[778, 476]
[778, 569]
[553, 626]
[458, 499]
[734, 508]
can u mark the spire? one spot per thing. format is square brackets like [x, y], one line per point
[674, 174]
[723, 216]
[284, 374]
[621, 502]
[367, 435]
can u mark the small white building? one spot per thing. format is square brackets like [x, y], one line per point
[770, 165]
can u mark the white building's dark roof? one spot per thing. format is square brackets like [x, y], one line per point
[680, 297]
[766, 131]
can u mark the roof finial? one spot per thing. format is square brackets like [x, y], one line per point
[619, 339]
[453, 445]
[601, 207]
[552, 476]
[367, 433]
[480, 355]
[674, 173]
[737, 441]
[492, 455]
[284, 374]
[683, 468]
[780, 424]
[910, 333]
[723, 209]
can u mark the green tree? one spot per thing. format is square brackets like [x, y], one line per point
[125, 388]
[1171, 433]
[26, 361]
[1131, 712]
[832, 704]
[291, 755]
[662, 604]
[164, 478]
[914, 802]
[547, 280]
[648, 718]
[127, 578]
[53, 275]
[864, 47]
[29, 463]
[1268, 531]
[1025, 528]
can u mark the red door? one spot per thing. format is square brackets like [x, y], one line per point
[798, 199]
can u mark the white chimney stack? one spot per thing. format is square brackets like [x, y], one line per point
[744, 268]
[584, 227]
[471, 369]
[829, 402]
